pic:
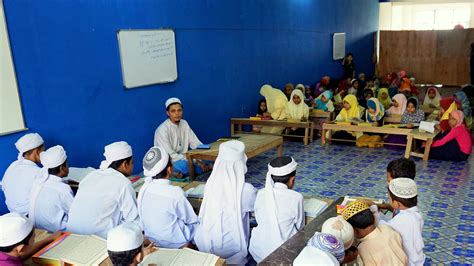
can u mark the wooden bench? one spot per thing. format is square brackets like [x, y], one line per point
[308, 132]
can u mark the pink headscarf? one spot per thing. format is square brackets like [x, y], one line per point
[459, 116]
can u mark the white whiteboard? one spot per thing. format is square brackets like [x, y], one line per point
[338, 46]
[11, 116]
[147, 57]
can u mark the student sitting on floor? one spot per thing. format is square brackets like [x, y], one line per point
[125, 245]
[296, 108]
[51, 198]
[167, 217]
[17, 236]
[432, 98]
[289, 88]
[408, 222]
[224, 216]
[105, 197]
[20, 175]
[384, 98]
[341, 92]
[278, 209]
[351, 111]
[375, 112]
[401, 167]
[276, 105]
[456, 144]
[262, 112]
[354, 90]
[308, 94]
[447, 106]
[367, 94]
[323, 102]
[399, 104]
[413, 114]
[379, 245]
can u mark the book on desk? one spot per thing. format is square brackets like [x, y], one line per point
[185, 256]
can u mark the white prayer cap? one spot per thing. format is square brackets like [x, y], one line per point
[14, 228]
[155, 161]
[339, 228]
[114, 152]
[232, 150]
[315, 256]
[170, 101]
[403, 187]
[29, 142]
[53, 157]
[125, 237]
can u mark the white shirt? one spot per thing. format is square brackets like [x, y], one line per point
[17, 183]
[409, 224]
[176, 139]
[230, 247]
[53, 204]
[291, 219]
[167, 217]
[104, 200]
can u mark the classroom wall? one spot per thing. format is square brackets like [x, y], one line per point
[68, 67]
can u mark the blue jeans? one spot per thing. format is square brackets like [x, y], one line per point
[182, 167]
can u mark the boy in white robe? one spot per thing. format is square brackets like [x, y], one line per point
[176, 137]
[20, 175]
[167, 217]
[408, 222]
[51, 198]
[278, 209]
[228, 200]
[105, 197]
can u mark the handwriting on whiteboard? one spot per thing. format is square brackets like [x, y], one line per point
[154, 46]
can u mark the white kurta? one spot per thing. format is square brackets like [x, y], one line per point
[17, 183]
[105, 199]
[167, 217]
[230, 247]
[409, 224]
[176, 139]
[52, 205]
[291, 219]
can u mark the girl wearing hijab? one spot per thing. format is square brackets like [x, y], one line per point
[466, 107]
[350, 110]
[276, 105]
[399, 103]
[456, 145]
[298, 110]
[432, 98]
[355, 87]
[375, 111]
[323, 102]
[384, 98]
[447, 106]
[413, 114]
[262, 112]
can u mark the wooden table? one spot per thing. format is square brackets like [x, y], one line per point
[424, 136]
[254, 145]
[308, 132]
[288, 251]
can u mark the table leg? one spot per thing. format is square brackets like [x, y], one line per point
[232, 129]
[240, 128]
[426, 155]
[190, 167]
[408, 148]
[311, 134]
[323, 137]
[306, 136]
[280, 150]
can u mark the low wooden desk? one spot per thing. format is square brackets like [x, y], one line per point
[308, 132]
[318, 117]
[424, 136]
[255, 144]
[288, 251]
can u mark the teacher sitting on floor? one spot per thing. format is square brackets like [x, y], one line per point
[176, 137]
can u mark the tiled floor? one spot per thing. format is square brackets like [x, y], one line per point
[446, 190]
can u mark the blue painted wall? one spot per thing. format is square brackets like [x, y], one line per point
[68, 67]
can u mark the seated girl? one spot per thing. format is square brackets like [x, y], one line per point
[322, 85]
[455, 144]
[413, 114]
[447, 106]
[296, 109]
[375, 112]
[355, 87]
[276, 104]
[262, 112]
[399, 103]
[432, 98]
[323, 102]
[341, 92]
[368, 93]
[351, 110]
[308, 94]
[383, 98]
[466, 107]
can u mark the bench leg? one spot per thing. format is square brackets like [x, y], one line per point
[280, 150]
[408, 147]
[323, 137]
[426, 155]
[306, 136]
[311, 134]
[190, 167]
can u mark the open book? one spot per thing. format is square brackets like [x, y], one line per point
[73, 249]
[314, 207]
[185, 256]
[78, 174]
[196, 192]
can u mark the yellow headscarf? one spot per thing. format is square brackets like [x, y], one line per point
[452, 107]
[386, 103]
[353, 112]
[276, 101]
